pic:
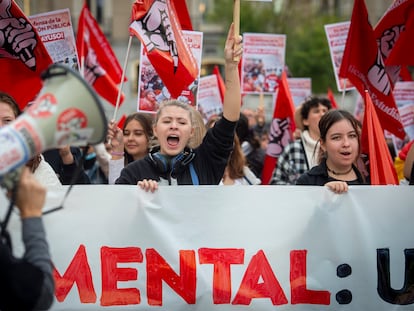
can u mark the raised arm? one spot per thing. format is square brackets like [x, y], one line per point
[232, 97]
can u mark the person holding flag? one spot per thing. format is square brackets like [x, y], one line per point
[340, 149]
[173, 162]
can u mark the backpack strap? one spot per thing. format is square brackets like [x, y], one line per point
[194, 177]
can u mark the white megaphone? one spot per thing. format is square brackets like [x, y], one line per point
[66, 112]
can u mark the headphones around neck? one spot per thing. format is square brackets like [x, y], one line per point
[167, 164]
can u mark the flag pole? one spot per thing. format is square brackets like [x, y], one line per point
[236, 22]
[122, 79]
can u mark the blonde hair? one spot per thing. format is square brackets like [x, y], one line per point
[199, 130]
[176, 103]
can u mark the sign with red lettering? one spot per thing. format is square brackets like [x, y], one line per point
[336, 35]
[230, 248]
[56, 31]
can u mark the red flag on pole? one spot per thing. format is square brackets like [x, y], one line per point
[155, 23]
[182, 13]
[220, 82]
[23, 57]
[388, 32]
[99, 65]
[331, 98]
[281, 129]
[403, 51]
[121, 121]
[382, 170]
[363, 65]
[97, 40]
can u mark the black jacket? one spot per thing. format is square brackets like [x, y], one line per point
[208, 161]
[318, 176]
[66, 172]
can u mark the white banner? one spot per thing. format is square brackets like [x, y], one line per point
[231, 248]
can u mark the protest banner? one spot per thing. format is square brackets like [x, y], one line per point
[263, 62]
[157, 26]
[151, 82]
[208, 97]
[300, 88]
[230, 248]
[56, 31]
[336, 34]
[404, 98]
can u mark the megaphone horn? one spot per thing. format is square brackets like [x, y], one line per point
[66, 112]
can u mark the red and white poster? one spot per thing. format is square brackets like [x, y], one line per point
[300, 89]
[151, 89]
[337, 34]
[263, 62]
[56, 31]
[404, 98]
[208, 98]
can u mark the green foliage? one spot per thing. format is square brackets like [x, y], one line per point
[307, 51]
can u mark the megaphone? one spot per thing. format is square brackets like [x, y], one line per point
[66, 112]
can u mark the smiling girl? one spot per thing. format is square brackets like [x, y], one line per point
[129, 144]
[340, 150]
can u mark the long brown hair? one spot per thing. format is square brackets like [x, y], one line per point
[330, 118]
[237, 161]
[146, 122]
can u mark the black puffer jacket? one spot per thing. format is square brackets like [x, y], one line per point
[208, 161]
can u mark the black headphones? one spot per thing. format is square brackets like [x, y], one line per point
[166, 164]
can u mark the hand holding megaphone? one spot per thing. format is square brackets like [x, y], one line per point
[66, 112]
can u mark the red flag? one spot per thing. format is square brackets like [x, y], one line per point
[388, 32]
[101, 68]
[23, 57]
[182, 13]
[281, 129]
[332, 99]
[155, 24]
[405, 74]
[382, 170]
[121, 121]
[363, 65]
[220, 82]
[403, 51]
